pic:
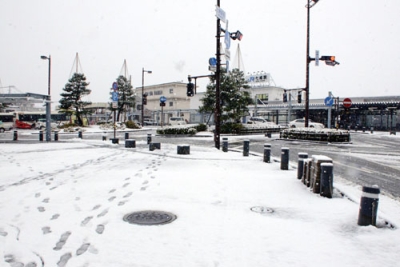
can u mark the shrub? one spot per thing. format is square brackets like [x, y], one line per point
[178, 130]
[201, 127]
[231, 127]
[132, 125]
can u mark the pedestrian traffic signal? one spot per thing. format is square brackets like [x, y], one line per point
[190, 89]
[144, 99]
[284, 97]
[299, 93]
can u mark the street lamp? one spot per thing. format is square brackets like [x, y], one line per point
[310, 4]
[143, 71]
[48, 102]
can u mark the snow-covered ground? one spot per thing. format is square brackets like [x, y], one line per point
[62, 204]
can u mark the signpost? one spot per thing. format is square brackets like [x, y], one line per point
[329, 102]
[114, 97]
[163, 99]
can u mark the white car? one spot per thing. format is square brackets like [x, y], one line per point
[177, 121]
[261, 122]
[298, 123]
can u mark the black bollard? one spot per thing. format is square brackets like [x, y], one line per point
[246, 148]
[300, 164]
[148, 139]
[114, 140]
[285, 158]
[55, 135]
[41, 136]
[368, 206]
[126, 136]
[80, 134]
[225, 144]
[326, 180]
[15, 138]
[104, 136]
[372, 130]
[267, 153]
[130, 143]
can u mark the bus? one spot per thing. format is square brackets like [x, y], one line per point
[6, 122]
[37, 119]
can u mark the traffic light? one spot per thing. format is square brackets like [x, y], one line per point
[284, 97]
[236, 35]
[190, 89]
[144, 99]
[299, 93]
[330, 60]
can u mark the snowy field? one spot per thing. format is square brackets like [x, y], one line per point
[62, 204]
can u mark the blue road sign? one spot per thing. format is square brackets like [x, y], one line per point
[114, 96]
[163, 99]
[328, 101]
[212, 61]
[115, 85]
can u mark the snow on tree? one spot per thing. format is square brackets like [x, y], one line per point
[126, 97]
[71, 101]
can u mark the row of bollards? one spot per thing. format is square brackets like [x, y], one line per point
[309, 170]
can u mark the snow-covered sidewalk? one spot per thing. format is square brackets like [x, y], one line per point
[63, 204]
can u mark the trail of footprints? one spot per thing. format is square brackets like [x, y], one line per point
[100, 228]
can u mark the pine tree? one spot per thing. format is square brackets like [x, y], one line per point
[234, 100]
[71, 101]
[126, 97]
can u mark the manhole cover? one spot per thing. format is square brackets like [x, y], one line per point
[149, 217]
[262, 210]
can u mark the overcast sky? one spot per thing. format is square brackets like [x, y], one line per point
[175, 38]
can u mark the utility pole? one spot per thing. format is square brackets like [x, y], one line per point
[217, 116]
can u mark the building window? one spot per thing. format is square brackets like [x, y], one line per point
[159, 92]
[171, 91]
[171, 104]
[151, 93]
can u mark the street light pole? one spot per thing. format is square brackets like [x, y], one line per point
[48, 102]
[310, 4]
[143, 71]
[217, 114]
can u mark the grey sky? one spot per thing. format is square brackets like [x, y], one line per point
[174, 38]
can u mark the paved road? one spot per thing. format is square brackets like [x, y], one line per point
[369, 159]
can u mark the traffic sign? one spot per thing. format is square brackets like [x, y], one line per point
[316, 57]
[347, 102]
[115, 86]
[114, 104]
[212, 61]
[163, 99]
[114, 96]
[220, 13]
[328, 101]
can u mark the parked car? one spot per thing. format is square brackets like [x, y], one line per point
[149, 122]
[298, 123]
[41, 124]
[5, 126]
[177, 121]
[262, 122]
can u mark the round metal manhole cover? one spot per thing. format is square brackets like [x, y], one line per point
[150, 217]
[262, 210]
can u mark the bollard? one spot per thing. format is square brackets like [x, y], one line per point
[153, 146]
[41, 136]
[55, 135]
[246, 148]
[368, 206]
[130, 143]
[183, 150]
[372, 130]
[300, 165]
[126, 136]
[326, 180]
[363, 129]
[268, 135]
[114, 140]
[104, 136]
[267, 153]
[285, 158]
[15, 138]
[225, 144]
[148, 139]
[80, 134]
